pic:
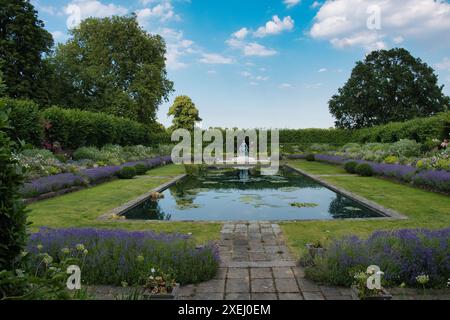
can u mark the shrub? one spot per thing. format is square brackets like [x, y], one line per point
[74, 128]
[24, 120]
[12, 211]
[115, 256]
[126, 173]
[364, 170]
[406, 148]
[402, 255]
[391, 160]
[141, 169]
[350, 166]
[310, 157]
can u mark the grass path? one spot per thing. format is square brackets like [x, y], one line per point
[82, 208]
[423, 208]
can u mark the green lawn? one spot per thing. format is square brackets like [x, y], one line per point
[82, 208]
[424, 209]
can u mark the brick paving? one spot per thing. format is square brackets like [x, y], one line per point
[256, 265]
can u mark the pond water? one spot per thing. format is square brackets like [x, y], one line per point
[228, 194]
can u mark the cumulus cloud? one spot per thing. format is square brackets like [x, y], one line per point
[177, 48]
[285, 86]
[322, 70]
[256, 49]
[344, 22]
[214, 58]
[161, 12]
[275, 26]
[291, 3]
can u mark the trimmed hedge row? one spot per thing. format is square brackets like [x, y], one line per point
[420, 129]
[24, 120]
[73, 128]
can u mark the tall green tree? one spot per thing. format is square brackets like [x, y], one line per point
[111, 65]
[389, 85]
[2, 85]
[23, 44]
[12, 210]
[184, 112]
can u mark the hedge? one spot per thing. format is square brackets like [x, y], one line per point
[74, 128]
[24, 120]
[420, 129]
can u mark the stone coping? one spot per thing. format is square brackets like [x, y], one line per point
[385, 212]
[134, 203]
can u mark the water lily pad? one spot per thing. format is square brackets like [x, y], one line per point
[304, 205]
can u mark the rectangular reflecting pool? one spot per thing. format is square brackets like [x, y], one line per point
[229, 194]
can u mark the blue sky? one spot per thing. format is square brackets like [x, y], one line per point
[270, 63]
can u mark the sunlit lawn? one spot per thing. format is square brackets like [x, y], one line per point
[82, 208]
[423, 208]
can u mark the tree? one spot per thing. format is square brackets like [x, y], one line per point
[389, 85]
[2, 85]
[111, 65]
[23, 43]
[184, 113]
[12, 210]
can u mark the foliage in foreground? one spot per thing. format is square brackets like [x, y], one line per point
[402, 255]
[117, 256]
[12, 211]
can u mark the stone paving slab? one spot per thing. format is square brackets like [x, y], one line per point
[257, 265]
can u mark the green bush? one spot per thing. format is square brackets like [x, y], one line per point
[127, 173]
[350, 167]
[12, 211]
[24, 121]
[74, 128]
[310, 157]
[364, 170]
[141, 169]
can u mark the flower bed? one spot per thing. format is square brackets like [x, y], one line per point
[82, 178]
[402, 255]
[113, 257]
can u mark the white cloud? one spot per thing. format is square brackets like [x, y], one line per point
[315, 4]
[177, 48]
[262, 78]
[78, 10]
[241, 34]
[246, 74]
[285, 86]
[256, 49]
[344, 22]
[249, 75]
[214, 58]
[291, 3]
[275, 26]
[444, 65]
[58, 36]
[322, 70]
[161, 12]
[211, 72]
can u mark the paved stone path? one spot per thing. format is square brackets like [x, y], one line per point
[257, 265]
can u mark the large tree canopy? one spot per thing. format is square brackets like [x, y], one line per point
[111, 65]
[389, 85]
[23, 43]
[184, 113]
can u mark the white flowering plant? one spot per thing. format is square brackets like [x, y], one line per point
[159, 282]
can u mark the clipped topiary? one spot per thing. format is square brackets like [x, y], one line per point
[364, 170]
[141, 169]
[310, 157]
[350, 167]
[13, 216]
[126, 173]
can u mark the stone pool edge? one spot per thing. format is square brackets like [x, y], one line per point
[135, 202]
[387, 213]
